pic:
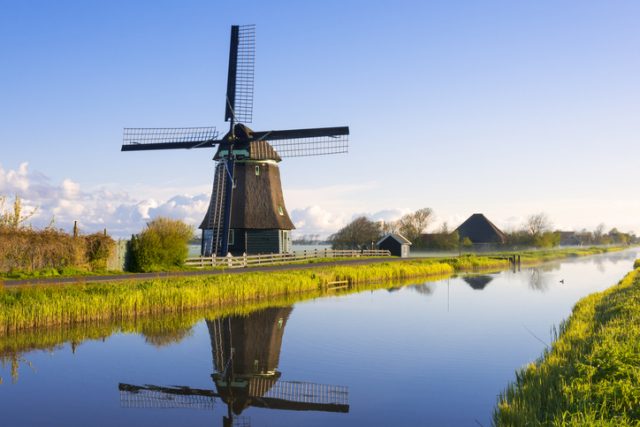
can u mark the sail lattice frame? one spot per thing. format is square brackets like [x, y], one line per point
[138, 136]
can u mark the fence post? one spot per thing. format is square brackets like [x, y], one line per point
[244, 259]
[229, 260]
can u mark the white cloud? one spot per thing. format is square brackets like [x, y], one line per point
[117, 211]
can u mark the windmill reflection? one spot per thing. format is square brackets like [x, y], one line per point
[246, 354]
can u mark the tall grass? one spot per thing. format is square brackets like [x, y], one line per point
[37, 307]
[591, 374]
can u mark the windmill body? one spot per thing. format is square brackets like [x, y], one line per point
[246, 213]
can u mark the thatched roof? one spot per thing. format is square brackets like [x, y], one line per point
[258, 202]
[480, 230]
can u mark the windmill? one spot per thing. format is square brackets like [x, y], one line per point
[246, 353]
[246, 213]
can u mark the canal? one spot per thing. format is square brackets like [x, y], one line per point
[432, 353]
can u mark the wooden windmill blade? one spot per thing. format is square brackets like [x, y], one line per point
[151, 396]
[242, 53]
[140, 139]
[307, 142]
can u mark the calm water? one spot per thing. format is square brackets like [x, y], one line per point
[435, 353]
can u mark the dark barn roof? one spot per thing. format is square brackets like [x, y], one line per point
[480, 230]
[395, 236]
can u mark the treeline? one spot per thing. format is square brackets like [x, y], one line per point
[536, 231]
[363, 233]
[24, 249]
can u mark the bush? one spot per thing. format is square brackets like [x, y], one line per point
[26, 250]
[98, 249]
[163, 244]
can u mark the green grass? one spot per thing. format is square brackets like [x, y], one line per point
[35, 307]
[42, 306]
[591, 374]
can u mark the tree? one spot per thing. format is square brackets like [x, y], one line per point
[357, 234]
[537, 224]
[598, 234]
[163, 244]
[414, 224]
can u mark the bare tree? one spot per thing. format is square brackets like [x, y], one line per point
[412, 225]
[537, 224]
[598, 233]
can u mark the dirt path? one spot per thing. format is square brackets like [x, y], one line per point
[204, 272]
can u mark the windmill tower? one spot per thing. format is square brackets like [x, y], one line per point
[246, 213]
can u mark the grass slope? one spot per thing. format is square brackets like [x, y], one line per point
[591, 374]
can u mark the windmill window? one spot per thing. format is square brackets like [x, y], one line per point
[257, 170]
[232, 236]
[280, 210]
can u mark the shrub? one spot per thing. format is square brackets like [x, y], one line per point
[163, 244]
[98, 249]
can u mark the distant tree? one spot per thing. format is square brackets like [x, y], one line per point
[357, 234]
[537, 224]
[414, 224]
[163, 244]
[598, 234]
[547, 239]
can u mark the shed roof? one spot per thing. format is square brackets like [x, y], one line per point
[397, 237]
[480, 230]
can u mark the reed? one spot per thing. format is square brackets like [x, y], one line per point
[590, 375]
[42, 306]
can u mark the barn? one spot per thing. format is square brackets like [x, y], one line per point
[480, 230]
[396, 243]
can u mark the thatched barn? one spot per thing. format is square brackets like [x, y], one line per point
[260, 222]
[396, 243]
[480, 230]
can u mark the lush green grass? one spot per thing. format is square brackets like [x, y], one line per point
[591, 374]
[41, 306]
[33, 307]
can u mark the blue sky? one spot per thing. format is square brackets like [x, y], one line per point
[507, 108]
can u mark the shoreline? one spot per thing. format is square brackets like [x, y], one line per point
[590, 374]
[32, 307]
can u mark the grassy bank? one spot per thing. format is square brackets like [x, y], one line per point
[590, 376]
[37, 307]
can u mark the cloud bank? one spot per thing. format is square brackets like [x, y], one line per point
[123, 214]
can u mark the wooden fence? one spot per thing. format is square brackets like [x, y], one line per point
[268, 259]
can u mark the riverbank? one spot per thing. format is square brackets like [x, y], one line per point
[590, 375]
[42, 306]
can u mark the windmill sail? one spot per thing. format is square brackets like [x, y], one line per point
[307, 142]
[139, 139]
[242, 53]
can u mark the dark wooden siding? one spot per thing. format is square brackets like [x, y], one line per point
[256, 242]
[391, 244]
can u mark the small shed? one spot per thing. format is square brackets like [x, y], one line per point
[396, 243]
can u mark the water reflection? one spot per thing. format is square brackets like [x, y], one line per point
[246, 354]
[478, 282]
